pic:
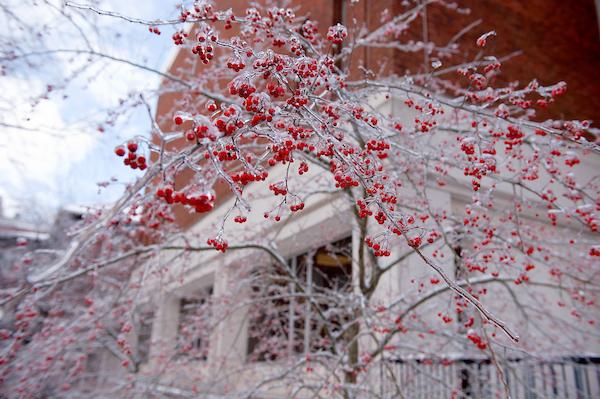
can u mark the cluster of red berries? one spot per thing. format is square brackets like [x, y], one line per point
[253, 15]
[122, 343]
[204, 52]
[228, 154]
[302, 133]
[474, 267]
[228, 128]
[183, 16]
[332, 112]
[477, 340]
[519, 102]
[303, 168]
[415, 242]
[310, 31]
[281, 16]
[258, 118]
[478, 81]
[206, 40]
[179, 37]
[469, 322]
[275, 90]
[230, 19]
[268, 65]
[467, 146]
[282, 153]
[389, 198]
[202, 10]
[378, 250]
[344, 181]
[514, 137]
[589, 218]
[380, 217]
[572, 161]
[132, 160]
[241, 89]
[492, 66]
[559, 90]
[297, 207]
[297, 100]
[434, 235]
[379, 146]
[244, 178]
[219, 244]
[363, 210]
[424, 126]
[309, 68]
[200, 132]
[523, 278]
[230, 121]
[278, 189]
[236, 66]
[240, 219]
[201, 203]
[259, 104]
[337, 33]
[154, 29]
[358, 113]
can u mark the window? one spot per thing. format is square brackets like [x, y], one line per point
[144, 330]
[194, 325]
[282, 321]
[93, 369]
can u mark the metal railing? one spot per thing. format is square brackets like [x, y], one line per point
[575, 377]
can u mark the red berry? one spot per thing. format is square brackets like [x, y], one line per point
[120, 151]
[178, 120]
[132, 146]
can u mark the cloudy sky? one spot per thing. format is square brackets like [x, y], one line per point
[51, 150]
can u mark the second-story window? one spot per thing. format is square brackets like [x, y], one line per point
[194, 325]
[294, 309]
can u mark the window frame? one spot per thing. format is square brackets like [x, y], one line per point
[200, 296]
[304, 322]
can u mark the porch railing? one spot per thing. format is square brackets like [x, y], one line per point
[576, 377]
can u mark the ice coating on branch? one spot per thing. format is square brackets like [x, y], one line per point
[482, 40]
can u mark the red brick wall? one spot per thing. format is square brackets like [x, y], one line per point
[559, 38]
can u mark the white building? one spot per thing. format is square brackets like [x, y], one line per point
[207, 329]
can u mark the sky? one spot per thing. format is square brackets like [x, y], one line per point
[52, 153]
